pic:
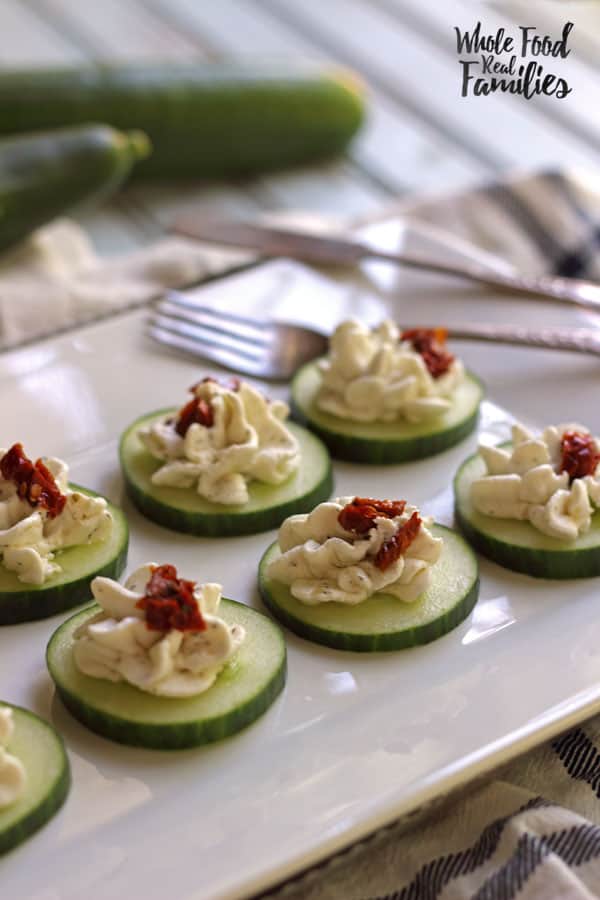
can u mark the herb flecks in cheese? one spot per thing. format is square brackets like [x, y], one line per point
[383, 375]
[34, 528]
[551, 480]
[223, 439]
[158, 632]
[340, 553]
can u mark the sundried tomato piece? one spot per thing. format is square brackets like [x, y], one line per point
[579, 454]
[388, 508]
[393, 549]
[197, 410]
[15, 465]
[169, 602]
[35, 482]
[359, 515]
[430, 343]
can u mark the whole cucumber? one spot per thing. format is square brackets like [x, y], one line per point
[47, 174]
[203, 120]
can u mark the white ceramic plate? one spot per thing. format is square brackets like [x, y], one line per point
[355, 741]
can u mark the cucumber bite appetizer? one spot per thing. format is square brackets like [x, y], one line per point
[34, 774]
[364, 574]
[226, 463]
[166, 663]
[533, 505]
[387, 396]
[54, 537]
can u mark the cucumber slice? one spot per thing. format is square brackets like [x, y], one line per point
[384, 622]
[71, 586]
[385, 442]
[246, 687]
[183, 510]
[42, 753]
[518, 545]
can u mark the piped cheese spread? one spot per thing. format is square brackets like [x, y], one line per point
[551, 480]
[158, 632]
[348, 549]
[221, 440]
[12, 772]
[383, 375]
[40, 515]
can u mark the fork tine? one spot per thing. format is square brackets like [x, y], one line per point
[215, 323]
[179, 299]
[225, 358]
[206, 335]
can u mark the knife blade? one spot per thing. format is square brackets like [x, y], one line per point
[271, 241]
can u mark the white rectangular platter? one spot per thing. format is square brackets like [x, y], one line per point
[355, 741]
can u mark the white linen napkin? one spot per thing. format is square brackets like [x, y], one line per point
[55, 280]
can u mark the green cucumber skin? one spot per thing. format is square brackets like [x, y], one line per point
[379, 452]
[215, 526]
[204, 120]
[50, 173]
[363, 643]
[31, 605]
[182, 735]
[370, 643]
[38, 817]
[556, 565]
[19, 831]
[386, 453]
[218, 525]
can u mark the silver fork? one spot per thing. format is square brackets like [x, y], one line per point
[275, 350]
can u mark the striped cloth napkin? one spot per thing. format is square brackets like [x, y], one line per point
[534, 830]
[532, 833]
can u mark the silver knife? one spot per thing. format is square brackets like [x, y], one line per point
[269, 241]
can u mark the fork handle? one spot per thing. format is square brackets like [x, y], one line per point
[580, 340]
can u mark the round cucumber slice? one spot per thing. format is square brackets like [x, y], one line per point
[21, 602]
[42, 753]
[517, 545]
[383, 622]
[183, 510]
[385, 442]
[246, 687]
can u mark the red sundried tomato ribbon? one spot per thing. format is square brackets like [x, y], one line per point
[196, 411]
[393, 549]
[579, 454]
[359, 515]
[430, 343]
[35, 482]
[169, 602]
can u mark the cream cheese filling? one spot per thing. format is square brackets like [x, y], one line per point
[118, 645]
[526, 483]
[322, 562]
[13, 778]
[370, 375]
[247, 441]
[29, 537]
